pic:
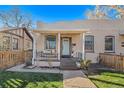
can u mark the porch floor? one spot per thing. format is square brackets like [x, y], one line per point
[68, 64]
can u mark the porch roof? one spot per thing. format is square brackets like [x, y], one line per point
[61, 30]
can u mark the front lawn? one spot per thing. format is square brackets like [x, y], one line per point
[108, 79]
[30, 80]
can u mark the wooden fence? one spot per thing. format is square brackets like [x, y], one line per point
[12, 58]
[112, 61]
[28, 56]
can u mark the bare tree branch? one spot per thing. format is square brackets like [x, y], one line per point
[15, 18]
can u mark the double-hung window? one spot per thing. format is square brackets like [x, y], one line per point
[109, 44]
[50, 42]
[89, 43]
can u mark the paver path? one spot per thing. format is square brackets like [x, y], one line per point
[76, 79]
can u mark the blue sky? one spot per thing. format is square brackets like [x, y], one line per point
[53, 13]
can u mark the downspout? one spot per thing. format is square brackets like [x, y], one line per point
[34, 52]
[34, 48]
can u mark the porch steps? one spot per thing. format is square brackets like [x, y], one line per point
[46, 59]
[68, 64]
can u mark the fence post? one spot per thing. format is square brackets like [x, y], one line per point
[123, 64]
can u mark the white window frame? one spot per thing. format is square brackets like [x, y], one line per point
[113, 44]
[46, 42]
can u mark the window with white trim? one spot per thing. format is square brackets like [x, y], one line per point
[109, 44]
[50, 42]
[89, 43]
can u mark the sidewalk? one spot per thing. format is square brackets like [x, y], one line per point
[76, 79]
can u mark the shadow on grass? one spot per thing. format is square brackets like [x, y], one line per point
[101, 71]
[107, 82]
[22, 79]
[117, 76]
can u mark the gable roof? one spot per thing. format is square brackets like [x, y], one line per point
[13, 29]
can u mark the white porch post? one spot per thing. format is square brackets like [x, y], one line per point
[83, 45]
[58, 46]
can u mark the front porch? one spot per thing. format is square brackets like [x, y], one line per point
[58, 48]
[55, 45]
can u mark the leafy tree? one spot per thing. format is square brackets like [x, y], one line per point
[106, 12]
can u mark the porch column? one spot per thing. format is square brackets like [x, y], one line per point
[83, 45]
[59, 46]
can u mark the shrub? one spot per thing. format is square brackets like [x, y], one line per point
[84, 64]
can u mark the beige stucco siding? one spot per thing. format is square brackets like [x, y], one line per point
[121, 49]
[99, 28]
[75, 39]
[82, 24]
[39, 42]
[99, 43]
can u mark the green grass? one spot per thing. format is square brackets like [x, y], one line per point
[108, 79]
[30, 80]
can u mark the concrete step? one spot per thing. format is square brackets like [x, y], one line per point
[46, 59]
[68, 68]
[68, 64]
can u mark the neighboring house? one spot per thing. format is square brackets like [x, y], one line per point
[15, 44]
[83, 39]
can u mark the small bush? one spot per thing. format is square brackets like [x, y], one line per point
[84, 64]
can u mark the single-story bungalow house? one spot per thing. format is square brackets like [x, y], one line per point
[70, 40]
[83, 39]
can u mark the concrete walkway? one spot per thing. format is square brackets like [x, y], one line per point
[76, 79]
